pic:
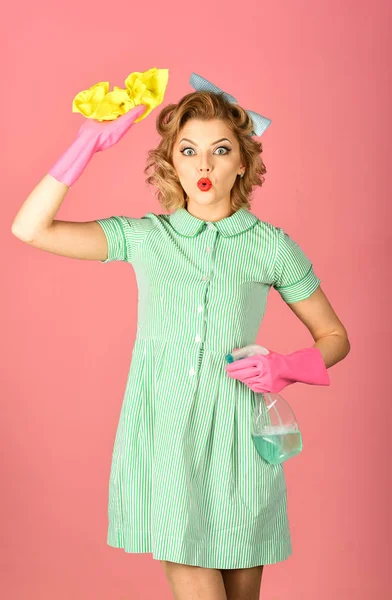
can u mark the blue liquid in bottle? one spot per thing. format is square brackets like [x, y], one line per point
[279, 445]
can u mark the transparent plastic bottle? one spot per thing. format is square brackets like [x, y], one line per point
[275, 430]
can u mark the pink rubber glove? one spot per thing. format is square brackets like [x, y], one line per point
[93, 136]
[273, 372]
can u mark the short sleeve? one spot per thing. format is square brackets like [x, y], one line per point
[123, 234]
[294, 277]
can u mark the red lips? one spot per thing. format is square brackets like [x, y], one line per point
[204, 184]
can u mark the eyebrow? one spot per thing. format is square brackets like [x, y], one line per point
[186, 140]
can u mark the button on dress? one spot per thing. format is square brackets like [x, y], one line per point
[187, 483]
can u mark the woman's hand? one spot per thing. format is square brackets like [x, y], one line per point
[108, 133]
[93, 136]
[273, 372]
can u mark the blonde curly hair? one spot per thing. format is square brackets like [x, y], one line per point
[204, 106]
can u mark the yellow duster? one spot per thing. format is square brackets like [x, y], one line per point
[146, 88]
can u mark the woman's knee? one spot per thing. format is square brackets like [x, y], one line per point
[188, 582]
[242, 584]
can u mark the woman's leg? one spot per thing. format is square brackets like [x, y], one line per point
[194, 583]
[242, 584]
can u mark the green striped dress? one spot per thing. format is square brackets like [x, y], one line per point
[186, 481]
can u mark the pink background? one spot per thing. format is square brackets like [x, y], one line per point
[320, 71]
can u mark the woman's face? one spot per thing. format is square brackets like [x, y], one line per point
[205, 154]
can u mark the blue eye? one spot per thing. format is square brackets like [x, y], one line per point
[225, 147]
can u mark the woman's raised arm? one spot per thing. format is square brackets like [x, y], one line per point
[34, 223]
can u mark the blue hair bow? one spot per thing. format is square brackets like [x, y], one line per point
[200, 84]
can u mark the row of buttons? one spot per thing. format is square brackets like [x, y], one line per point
[200, 308]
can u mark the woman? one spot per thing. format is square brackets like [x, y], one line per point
[187, 483]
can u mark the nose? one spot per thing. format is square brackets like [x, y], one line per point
[204, 166]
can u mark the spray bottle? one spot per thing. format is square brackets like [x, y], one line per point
[274, 430]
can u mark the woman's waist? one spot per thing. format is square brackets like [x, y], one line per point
[190, 345]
